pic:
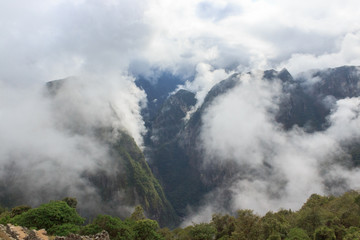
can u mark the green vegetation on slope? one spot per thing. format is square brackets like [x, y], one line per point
[320, 218]
[140, 177]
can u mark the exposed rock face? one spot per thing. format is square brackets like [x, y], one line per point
[177, 156]
[119, 180]
[11, 232]
[104, 235]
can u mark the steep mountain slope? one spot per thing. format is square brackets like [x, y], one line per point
[177, 154]
[157, 91]
[130, 182]
[119, 179]
[313, 94]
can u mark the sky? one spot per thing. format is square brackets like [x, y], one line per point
[49, 40]
[106, 44]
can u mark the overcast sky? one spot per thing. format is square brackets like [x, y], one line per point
[44, 40]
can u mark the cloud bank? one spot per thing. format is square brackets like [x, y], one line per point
[103, 42]
[52, 40]
[276, 168]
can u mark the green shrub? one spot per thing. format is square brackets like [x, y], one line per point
[324, 233]
[90, 229]
[297, 234]
[202, 231]
[116, 228]
[19, 210]
[274, 236]
[146, 229]
[72, 202]
[5, 218]
[352, 233]
[64, 229]
[54, 213]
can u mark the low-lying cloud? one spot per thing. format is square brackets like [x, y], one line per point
[49, 141]
[277, 168]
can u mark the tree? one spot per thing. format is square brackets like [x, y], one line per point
[273, 224]
[247, 225]
[64, 229]
[309, 219]
[146, 229]
[324, 233]
[19, 210]
[138, 214]
[297, 234]
[352, 233]
[72, 202]
[274, 236]
[116, 228]
[166, 233]
[202, 231]
[224, 225]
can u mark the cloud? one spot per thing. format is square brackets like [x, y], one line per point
[260, 34]
[346, 55]
[275, 168]
[49, 143]
[64, 38]
[96, 41]
[50, 40]
[206, 77]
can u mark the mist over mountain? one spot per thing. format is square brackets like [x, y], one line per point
[186, 108]
[243, 143]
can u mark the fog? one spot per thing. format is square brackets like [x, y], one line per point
[49, 140]
[277, 168]
[101, 46]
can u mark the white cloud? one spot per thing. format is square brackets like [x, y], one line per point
[277, 169]
[98, 40]
[348, 54]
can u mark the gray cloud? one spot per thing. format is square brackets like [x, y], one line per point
[216, 12]
[277, 168]
[49, 143]
[97, 41]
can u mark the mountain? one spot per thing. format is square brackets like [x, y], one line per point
[167, 176]
[134, 179]
[176, 154]
[157, 90]
[118, 181]
[312, 94]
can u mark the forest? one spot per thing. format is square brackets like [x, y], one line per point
[320, 218]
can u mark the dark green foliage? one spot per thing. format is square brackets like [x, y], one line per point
[247, 225]
[202, 231]
[90, 229]
[310, 218]
[5, 217]
[138, 214]
[352, 233]
[274, 236]
[72, 202]
[64, 229]
[297, 234]
[324, 233]
[146, 229]
[140, 178]
[274, 224]
[320, 218]
[19, 210]
[48, 215]
[224, 225]
[116, 228]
